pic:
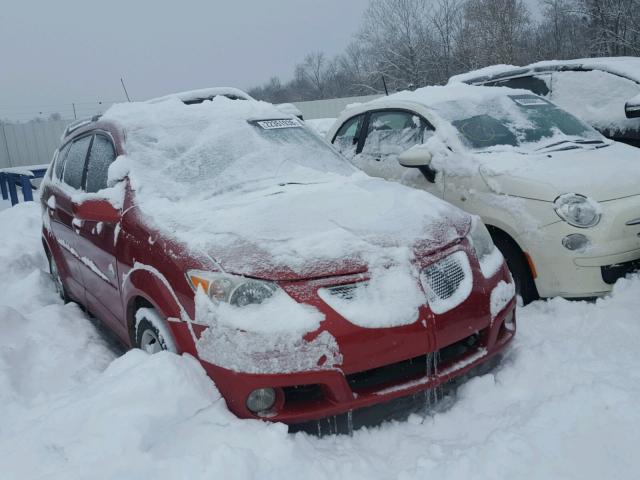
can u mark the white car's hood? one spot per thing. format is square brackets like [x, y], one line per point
[603, 174]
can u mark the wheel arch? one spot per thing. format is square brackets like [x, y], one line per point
[144, 288]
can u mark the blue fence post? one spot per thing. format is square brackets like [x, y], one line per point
[13, 194]
[27, 191]
[3, 185]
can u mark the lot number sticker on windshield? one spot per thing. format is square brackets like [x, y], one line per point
[529, 101]
[282, 123]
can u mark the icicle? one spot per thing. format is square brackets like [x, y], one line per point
[350, 422]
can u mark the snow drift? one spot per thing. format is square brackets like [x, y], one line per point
[70, 409]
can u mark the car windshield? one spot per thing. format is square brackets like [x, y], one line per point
[526, 122]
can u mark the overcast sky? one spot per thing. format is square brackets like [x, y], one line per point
[53, 53]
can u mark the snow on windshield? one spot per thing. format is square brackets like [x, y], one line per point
[526, 121]
[212, 147]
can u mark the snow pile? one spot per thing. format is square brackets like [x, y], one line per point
[501, 295]
[68, 410]
[392, 298]
[264, 338]
[277, 198]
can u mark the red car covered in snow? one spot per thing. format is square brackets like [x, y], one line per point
[215, 225]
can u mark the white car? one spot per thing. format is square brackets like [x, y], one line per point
[561, 201]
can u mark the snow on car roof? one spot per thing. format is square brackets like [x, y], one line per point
[217, 175]
[205, 94]
[440, 94]
[628, 67]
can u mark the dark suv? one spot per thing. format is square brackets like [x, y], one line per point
[604, 92]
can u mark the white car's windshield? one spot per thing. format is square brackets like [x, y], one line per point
[524, 121]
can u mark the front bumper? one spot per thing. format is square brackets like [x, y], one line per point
[614, 251]
[313, 395]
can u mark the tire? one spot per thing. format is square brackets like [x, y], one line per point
[57, 280]
[152, 333]
[517, 263]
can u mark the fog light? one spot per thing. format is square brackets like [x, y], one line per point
[509, 322]
[575, 241]
[261, 399]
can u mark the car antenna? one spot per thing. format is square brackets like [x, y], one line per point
[384, 83]
[125, 89]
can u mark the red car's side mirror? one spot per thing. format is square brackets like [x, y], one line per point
[97, 211]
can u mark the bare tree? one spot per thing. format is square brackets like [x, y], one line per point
[422, 42]
[493, 32]
[447, 23]
[396, 34]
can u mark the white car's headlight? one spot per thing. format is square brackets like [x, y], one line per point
[578, 210]
[233, 289]
[489, 257]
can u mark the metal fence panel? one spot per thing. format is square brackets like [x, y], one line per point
[329, 108]
[30, 143]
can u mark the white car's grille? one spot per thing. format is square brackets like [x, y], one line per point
[447, 282]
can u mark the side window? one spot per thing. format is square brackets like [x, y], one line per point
[74, 165]
[346, 140]
[59, 165]
[536, 84]
[393, 132]
[101, 156]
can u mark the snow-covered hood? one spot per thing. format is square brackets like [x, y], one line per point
[603, 174]
[294, 232]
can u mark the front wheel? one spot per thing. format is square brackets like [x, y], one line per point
[152, 333]
[517, 263]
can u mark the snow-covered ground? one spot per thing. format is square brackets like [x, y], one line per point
[563, 404]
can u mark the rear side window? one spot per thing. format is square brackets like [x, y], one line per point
[101, 156]
[59, 165]
[74, 165]
[535, 84]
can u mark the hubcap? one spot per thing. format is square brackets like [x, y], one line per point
[150, 342]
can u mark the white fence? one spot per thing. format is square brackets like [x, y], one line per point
[29, 143]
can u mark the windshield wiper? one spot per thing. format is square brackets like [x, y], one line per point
[297, 183]
[588, 142]
[579, 142]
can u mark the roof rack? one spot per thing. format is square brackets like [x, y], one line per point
[73, 126]
[198, 96]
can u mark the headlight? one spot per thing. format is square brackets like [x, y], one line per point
[578, 210]
[233, 289]
[489, 257]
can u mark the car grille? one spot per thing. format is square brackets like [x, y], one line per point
[413, 368]
[447, 283]
[345, 292]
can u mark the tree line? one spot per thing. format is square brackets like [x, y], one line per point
[413, 43]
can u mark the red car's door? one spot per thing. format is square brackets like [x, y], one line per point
[96, 242]
[69, 171]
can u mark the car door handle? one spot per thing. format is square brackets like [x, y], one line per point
[77, 224]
